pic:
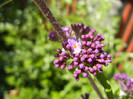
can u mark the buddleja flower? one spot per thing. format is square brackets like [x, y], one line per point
[83, 48]
[125, 81]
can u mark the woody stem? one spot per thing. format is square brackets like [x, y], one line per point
[48, 14]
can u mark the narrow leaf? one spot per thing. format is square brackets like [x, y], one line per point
[3, 2]
[105, 83]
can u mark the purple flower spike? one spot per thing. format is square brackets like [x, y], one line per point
[82, 48]
[125, 82]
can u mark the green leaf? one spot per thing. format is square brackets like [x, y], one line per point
[105, 83]
[3, 2]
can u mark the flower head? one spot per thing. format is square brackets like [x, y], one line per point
[85, 50]
[125, 81]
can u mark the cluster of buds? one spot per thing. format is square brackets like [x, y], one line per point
[126, 82]
[83, 48]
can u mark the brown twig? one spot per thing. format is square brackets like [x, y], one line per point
[48, 14]
[95, 86]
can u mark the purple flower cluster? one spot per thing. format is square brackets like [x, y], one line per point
[125, 81]
[84, 49]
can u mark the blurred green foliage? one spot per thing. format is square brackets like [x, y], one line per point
[3, 2]
[26, 54]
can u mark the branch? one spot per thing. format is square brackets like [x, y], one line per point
[48, 14]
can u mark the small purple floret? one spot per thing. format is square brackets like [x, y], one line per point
[75, 75]
[57, 65]
[85, 74]
[81, 66]
[70, 67]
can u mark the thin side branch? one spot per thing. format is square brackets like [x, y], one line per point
[48, 14]
[95, 86]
